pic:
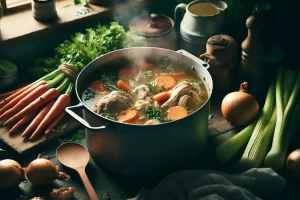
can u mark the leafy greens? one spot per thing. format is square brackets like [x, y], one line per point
[85, 47]
[76, 137]
[81, 2]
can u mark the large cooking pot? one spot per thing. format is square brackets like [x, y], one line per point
[143, 150]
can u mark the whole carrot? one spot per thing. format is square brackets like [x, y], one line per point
[31, 97]
[61, 103]
[55, 122]
[11, 97]
[45, 78]
[7, 94]
[39, 102]
[35, 122]
[23, 121]
[21, 96]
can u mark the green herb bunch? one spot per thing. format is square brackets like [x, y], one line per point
[85, 47]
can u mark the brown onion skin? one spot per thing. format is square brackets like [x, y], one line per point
[293, 164]
[11, 174]
[239, 108]
[41, 172]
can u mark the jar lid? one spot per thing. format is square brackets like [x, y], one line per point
[152, 25]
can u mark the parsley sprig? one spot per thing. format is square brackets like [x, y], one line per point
[154, 113]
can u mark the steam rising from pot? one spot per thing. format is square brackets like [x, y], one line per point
[123, 10]
[133, 13]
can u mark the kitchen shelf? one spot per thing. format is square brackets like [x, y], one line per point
[19, 26]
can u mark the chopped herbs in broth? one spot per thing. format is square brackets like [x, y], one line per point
[145, 93]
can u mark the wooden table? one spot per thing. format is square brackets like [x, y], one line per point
[112, 186]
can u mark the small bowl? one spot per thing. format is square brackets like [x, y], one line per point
[8, 74]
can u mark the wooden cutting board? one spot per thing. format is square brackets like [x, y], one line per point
[22, 145]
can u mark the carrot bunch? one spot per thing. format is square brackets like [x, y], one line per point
[39, 105]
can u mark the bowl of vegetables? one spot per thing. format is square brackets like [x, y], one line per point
[144, 108]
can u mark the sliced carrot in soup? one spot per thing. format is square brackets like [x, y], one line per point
[161, 97]
[177, 112]
[124, 86]
[98, 86]
[168, 82]
[128, 116]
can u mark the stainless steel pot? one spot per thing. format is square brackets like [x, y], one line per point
[143, 150]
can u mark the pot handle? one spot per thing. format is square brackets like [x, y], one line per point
[70, 111]
[179, 6]
[183, 52]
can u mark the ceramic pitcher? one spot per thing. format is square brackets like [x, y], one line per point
[202, 18]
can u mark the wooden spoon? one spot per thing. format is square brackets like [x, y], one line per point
[75, 156]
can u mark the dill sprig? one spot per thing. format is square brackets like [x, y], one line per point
[110, 81]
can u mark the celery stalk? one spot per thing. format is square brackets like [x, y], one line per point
[289, 81]
[228, 149]
[293, 126]
[261, 137]
[260, 146]
[279, 97]
[275, 158]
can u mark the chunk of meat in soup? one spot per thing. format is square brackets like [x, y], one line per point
[179, 91]
[183, 100]
[142, 92]
[114, 102]
[142, 105]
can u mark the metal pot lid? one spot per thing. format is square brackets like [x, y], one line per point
[152, 25]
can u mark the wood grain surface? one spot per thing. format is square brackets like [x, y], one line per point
[22, 145]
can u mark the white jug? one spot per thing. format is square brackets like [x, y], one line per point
[202, 19]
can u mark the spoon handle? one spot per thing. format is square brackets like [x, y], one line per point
[87, 184]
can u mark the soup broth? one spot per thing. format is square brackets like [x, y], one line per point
[145, 93]
[203, 9]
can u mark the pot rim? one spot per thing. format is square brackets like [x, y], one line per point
[138, 125]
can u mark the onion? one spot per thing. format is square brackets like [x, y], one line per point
[293, 164]
[239, 108]
[43, 172]
[11, 174]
